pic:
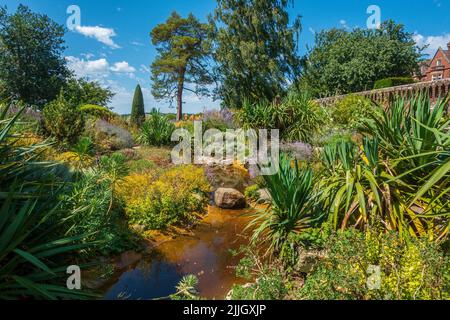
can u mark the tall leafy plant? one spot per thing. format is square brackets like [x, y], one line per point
[32, 249]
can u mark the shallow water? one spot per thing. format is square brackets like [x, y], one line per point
[206, 254]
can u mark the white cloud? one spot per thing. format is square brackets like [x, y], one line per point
[137, 43]
[433, 42]
[96, 69]
[103, 35]
[88, 68]
[123, 67]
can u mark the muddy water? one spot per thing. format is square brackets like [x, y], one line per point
[205, 254]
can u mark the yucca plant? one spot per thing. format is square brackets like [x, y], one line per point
[32, 247]
[157, 130]
[292, 207]
[399, 177]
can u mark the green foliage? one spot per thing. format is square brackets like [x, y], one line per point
[392, 82]
[63, 120]
[183, 49]
[157, 130]
[270, 281]
[97, 112]
[297, 117]
[107, 230]
[33, 251]
[176, 197]
[353, 112]
[137, 108]
[351, 61]
[252, 192]
[86, 92]
[398, 177]
[37, 71]
[291, 210]
[187, 289]
[255, 50]
[412, 269]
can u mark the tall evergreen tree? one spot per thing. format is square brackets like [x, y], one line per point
[182, 61]
[138, 108]
[255, 49]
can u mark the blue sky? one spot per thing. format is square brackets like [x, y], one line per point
[113, 43]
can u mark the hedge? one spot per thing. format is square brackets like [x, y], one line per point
[392, 82]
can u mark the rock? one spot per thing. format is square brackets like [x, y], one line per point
[264, 195]
[227, 198]
[308, 260]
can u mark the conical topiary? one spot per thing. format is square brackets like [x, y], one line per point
[138, 109]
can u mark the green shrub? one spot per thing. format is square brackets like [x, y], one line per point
[392, 82]
[97, 112]
[252, 193]
[291, 210]
[176, 197]
[34, 250]
[297, 117]
[270, 283]
[63, 120]
[353, 112]
[157, 130]
[409, 269]
[107, 228]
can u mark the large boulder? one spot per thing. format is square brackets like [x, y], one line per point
[227, 198]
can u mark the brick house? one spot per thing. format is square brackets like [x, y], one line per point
[437, 68]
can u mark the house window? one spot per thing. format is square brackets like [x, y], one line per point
[435, 77]
[439, 63]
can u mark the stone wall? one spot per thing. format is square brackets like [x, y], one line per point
[434, 89]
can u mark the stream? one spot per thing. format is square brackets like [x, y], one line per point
[205, 254]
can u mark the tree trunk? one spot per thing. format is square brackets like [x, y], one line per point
[180, 96]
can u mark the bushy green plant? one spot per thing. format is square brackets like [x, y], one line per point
[63, 120]
[157, 130]
[104, 227]
[97, 112]
[297, 117]
[270, 284]
[409, 269]
[353, 112]
[398, 176]
[392, 82]
[291, 209]
[176, 197]
[252, 192]
[33, 250]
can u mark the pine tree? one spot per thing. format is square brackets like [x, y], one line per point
[138, 109]
[182, 61]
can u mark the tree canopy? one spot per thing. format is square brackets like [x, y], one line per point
[255, 49]
[32, 67]
[183, 50]
[350, 61]
[87, 92]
